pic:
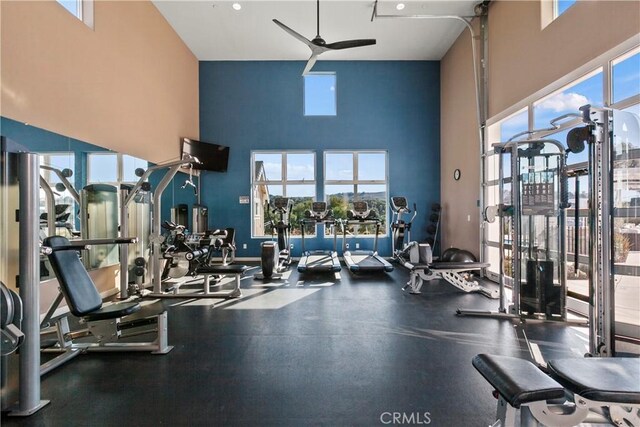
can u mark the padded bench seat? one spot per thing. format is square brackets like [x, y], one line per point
[517, 380]
[600, 379]
[112, 311]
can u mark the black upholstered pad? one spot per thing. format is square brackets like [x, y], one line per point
[458, 265]
[113, 311]
[609, 379]
[517, 380]
[222, 269]
[77, 287]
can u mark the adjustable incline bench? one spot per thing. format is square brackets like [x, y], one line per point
[589, 390]
[105, 324]
[424, 268]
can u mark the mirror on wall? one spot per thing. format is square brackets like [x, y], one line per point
[82, 188]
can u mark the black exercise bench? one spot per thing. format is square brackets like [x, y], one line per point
[575, 391]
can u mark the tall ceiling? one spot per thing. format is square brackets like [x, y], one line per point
[214, 30]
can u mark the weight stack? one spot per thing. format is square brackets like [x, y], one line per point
[434, 227]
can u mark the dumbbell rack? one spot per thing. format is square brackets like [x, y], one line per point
[434, 226]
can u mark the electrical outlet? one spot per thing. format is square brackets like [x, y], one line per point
[244, 246]
[357, 245]
[291, 247]
[347, 246]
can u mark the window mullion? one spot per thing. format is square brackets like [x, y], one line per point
[283, 173]
[607, 84]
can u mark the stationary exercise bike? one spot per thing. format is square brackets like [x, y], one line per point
[276, 255]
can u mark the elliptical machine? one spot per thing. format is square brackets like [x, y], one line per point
[276, 255]
[406, 254]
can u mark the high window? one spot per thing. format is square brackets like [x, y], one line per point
[281, 173]
[81, 9]
[561, 6]
[356, 175]
[320, 94]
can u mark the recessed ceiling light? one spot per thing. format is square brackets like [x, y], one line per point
[237, 6]
[400, 6]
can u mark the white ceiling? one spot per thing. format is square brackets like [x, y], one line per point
[213, 30]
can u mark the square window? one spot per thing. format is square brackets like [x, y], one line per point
[320, 94]
[356, 176]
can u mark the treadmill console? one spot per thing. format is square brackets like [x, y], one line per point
[399, 203]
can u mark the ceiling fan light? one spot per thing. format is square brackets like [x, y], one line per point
[400, 6]
[236, 6]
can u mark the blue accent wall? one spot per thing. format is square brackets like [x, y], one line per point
[389, 105]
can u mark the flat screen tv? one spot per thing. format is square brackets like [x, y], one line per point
[213, 157]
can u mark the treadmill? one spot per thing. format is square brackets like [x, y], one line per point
[359, 261]
[321, 260]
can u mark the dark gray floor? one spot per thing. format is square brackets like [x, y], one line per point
[348, 354]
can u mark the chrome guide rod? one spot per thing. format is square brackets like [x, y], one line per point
[51, 206]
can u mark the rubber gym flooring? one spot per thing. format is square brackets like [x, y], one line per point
[305, 351]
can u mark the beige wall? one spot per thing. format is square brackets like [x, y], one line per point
[523, 59]
[460, 148]
[130, 84]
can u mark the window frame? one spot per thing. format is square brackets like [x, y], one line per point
[283, 182]
[355, 182]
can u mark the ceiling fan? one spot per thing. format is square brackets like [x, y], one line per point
[318, 45]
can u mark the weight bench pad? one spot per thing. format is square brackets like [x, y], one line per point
[517, 380]
[459, 265]
[112, 311]
[600, 379]
[222, 269]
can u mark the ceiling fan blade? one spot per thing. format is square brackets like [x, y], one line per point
[298, 36]
[346, 44]
[310, 63]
